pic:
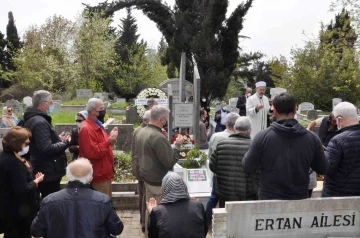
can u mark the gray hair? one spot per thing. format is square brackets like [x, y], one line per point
[231, 119]
[152, 101]
[158, 111]
[346, 110]
[242, 124]
[39, 97]
[83, 167]
[92, 104]
[146, 116]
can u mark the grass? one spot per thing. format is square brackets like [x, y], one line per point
[76, 102]
[118, 105]
[63, 117]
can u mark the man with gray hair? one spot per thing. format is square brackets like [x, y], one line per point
[156, 156]
[135, 169]
[47, 148]
[232, 183]
[151, 102]
[342, 178]
[78, 210]
[96, 145]
[215, 138]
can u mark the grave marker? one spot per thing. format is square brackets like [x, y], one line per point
[183, 114]
[306, 106]
[197, 181]
[121, 100]
[6, 97]
[27, 101]
[232, 105]
[276, 91]
[312, 115]
[15, 105]
[175, 88]
[57, 107]
[84, 93]
[99, 95]
[336, 101]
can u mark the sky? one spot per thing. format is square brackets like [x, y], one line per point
[274, 27]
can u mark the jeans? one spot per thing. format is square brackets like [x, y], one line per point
[212, 202]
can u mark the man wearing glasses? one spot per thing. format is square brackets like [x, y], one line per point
[47, 148]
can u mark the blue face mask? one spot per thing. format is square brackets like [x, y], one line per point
[50, 109]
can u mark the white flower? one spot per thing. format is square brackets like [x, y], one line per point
[182, 154]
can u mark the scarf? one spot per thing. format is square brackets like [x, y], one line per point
[24, 161]
[7, 120]
[173, 188]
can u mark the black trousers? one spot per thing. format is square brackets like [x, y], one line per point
[18, 228]
[47, 188]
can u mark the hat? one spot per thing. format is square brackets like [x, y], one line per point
[83, 113]
[260, 84]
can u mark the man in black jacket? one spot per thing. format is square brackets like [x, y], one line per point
[342, 178]
[327, 128]
[285, 152]
[47, 148]
[241, 103]
[78, 210]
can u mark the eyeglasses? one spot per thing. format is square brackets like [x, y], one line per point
[79, 121]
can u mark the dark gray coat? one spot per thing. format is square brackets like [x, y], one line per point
[226, 162]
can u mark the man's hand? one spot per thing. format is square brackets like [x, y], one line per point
[163, 131]
[151, 204]
[218, 116]
[62, 136]
[259, 107]
[68, 138]
[113, 135]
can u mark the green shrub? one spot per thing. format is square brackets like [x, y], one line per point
[195, 159]
[123, 167]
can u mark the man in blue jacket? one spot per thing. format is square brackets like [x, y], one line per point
[343, 153]
[285, 152]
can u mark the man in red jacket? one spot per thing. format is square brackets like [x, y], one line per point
[96, 145]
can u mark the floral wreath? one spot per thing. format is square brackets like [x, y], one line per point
[186, 146]
[149, 93]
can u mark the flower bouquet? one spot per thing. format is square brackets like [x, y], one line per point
[186, 146]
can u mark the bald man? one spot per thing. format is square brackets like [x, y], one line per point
[78, 209]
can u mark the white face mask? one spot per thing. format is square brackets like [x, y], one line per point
[204, 100]
[79, 124]
[224, 108]
[249, 94]
[24, 151]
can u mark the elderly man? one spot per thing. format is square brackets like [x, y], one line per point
[215, 138]
[220, 117]
[241, 103]
[258, 108]
[156, 156]
[136, 171]
[47, 148]
[343, 176]
[327, 129]
[78, 210]
[285, 152]
[232, 183]
[96, 145]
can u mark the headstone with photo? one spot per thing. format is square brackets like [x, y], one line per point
[6, 97]
[84, 93]
[27, 101]
[232, 105]
[15, 105]
[336, 101]
[276, 91]
[57, 107]
[306, 106]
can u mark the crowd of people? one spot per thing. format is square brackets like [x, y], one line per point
[250, 159]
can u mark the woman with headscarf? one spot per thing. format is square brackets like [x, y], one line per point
[74, 143]
[18, 187]
[8, 119]
[177, 215]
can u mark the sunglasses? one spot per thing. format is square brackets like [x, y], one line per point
[79, 121]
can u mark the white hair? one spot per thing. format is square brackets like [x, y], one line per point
[92, 104]
[242, 124]
[146, 116]
[79, 164]
[346, 110]
[39, 97]
[231, 119]
[158, 111]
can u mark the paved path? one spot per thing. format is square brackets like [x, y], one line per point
[132, 228]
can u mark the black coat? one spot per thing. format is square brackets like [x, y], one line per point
[77, 211]
[232, 184]
[343, 152]
[47, 151]
[74, 143]
[285, 152]
[183, 218]
[241, 104]
[18, 191]
[219, 127]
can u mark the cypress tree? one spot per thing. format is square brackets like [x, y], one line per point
[13, 41]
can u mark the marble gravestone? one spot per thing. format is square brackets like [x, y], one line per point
[6, 97]
[336, 101]
[15, 105]
[306, 106]
[84, 93]
[276, 91]
[176, 88]
[316, 217]
[232, 105]
[57, 107]
[27, 101]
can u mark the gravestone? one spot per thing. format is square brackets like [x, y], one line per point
[58, 101]
[99, 95]
[57, 107]
[276, 91]
[6, 97]
[15, 105]
[131, 115]
[232, 105]
[121, 100]
[336, 101]
[125, 135]
[3, 131]
[198, 181]
[312, 115]
[316, 217]
[183, 114]
[84, 93]
[306, 106]
[27, 101]
[105, 96]
[175, 88]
